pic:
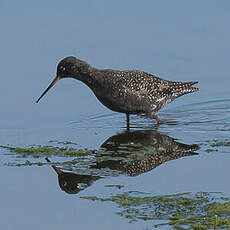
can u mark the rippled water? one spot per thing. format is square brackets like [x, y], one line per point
[189, 153]
[157, 160]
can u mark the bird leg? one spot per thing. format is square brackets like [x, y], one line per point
[127, 121]
[158, 120]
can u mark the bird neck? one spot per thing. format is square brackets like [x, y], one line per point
[87, 77]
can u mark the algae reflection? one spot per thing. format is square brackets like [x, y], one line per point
[130, 153]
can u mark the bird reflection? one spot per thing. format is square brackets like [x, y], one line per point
[73, 183]
[162, 148]
[151, 147]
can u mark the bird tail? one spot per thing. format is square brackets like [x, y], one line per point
[181, 88]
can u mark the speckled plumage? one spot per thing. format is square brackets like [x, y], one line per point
[136, 92]
[149, 147]
[129, 91]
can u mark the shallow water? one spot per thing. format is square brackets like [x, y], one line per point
[181, 46]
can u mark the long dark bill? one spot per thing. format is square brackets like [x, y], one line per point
[52, 84]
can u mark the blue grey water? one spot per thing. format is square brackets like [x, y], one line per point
[177, 40]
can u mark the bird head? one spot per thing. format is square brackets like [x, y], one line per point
[69, 67]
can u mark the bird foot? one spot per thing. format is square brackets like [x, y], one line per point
[158, 120]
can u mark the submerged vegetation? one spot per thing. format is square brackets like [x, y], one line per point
[38, 151]
[214, 144]
[180, 211]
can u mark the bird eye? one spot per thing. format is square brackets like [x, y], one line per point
[62, 68]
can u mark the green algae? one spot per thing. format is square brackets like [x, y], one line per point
[64, 142]
[47, 150]
[78, 152]
[219, 209]
[216, 143]
[211, 150]
[179, 211]
[27, 163]
[82, 160]
[220, 143]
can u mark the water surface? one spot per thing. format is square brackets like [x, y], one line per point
[177, 41]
